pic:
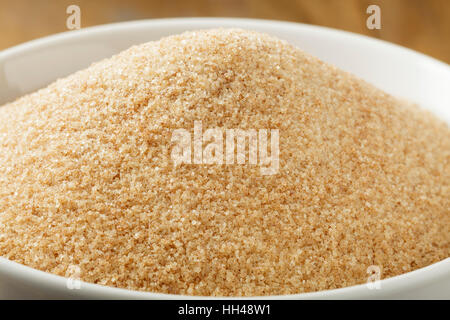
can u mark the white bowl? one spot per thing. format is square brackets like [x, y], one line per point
[399, 71]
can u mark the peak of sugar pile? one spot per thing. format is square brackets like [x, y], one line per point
[87, 180]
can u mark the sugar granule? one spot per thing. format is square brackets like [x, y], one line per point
[86, 177]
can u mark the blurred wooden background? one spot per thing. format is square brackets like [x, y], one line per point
[423, 25]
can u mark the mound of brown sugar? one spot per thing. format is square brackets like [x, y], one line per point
[87, 178]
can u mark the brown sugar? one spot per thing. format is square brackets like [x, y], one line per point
[87, 179]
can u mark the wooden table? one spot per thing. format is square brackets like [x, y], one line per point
[423, 25]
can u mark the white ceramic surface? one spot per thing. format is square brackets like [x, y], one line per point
[399, 71]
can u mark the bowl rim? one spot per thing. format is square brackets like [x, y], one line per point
[407, 281]
[229, 22]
